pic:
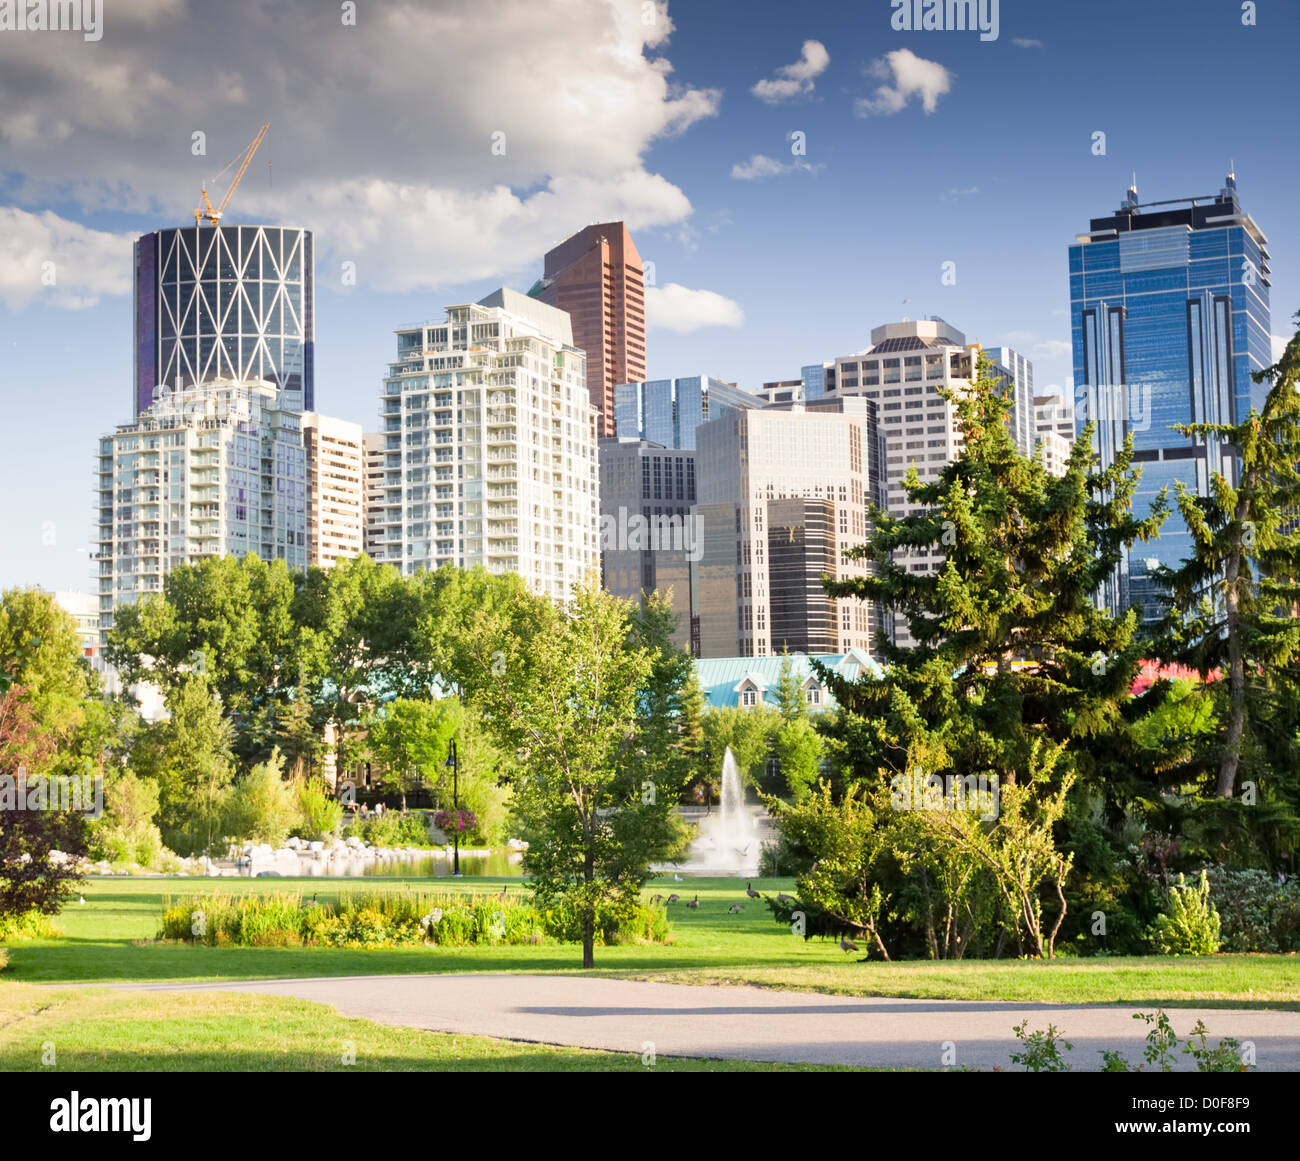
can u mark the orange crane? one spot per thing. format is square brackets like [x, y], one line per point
[207, 213]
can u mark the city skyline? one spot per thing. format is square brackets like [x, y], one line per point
[793, 256]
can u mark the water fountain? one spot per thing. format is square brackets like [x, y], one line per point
[728, 841]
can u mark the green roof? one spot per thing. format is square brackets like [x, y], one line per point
[723, 678]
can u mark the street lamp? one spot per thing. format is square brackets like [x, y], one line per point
[455, 802]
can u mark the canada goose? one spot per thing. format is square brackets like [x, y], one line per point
[657, 900]
[784, 898]
[749, 890]
[694, 904]
[848, 944]
[674, 898]
[736, 907]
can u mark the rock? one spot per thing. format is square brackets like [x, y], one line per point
[316, 846]
[269, 875]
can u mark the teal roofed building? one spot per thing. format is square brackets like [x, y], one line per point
[745, 681]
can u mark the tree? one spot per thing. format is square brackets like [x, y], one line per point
[790, 701]
[411, 739]
[746, 731]
[1012, 650]
[262, 807]
[798, 749]
[565, 689]
[1234, 601]
[189, 756]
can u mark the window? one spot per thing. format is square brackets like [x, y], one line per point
[813, 695]
[749, 697]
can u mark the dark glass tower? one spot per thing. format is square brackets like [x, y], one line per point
[1169, 317]
[224, 302]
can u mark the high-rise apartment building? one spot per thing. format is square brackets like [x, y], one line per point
[374, 442]
[782, 491]
[648, 536]
[490, 446]
[1017, 374]
[213, 471]
[596, 276]
[1169, 313]
[335, 489]
[668, 411]
[230, 303]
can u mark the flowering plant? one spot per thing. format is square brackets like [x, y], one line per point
[449, 821]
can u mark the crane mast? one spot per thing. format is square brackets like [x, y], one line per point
[213, 216]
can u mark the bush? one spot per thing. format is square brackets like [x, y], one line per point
[390, 830]
[126, 833]
[1191, 924]
[33, 924]
[262, 807]
[616, 922]
[319, 812]
[1257, 912]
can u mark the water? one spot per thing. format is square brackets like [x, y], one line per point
[728, 841]
[497, 864]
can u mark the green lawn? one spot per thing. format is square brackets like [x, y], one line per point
[107, 940]
[93, 1030]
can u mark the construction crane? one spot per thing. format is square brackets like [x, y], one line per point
[207, 213]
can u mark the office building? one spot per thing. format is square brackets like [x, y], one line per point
[596, 276]
[1017, 374]
[648, 536]
[335, 489]
[782, 492]
[374, 443]
[213, 471]
[668, 411]
[490, 446]
[1169, 314]
[1055, 413]
[229, 303]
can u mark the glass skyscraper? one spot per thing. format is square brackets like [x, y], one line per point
[224, 303]
[668, 411]
[1169, 317]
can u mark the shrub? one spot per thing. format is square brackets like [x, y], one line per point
[1041, 1053]
[390, 830]
[1191, 925]
[617, 922]
[319, 812]
[1257, 912]
[126, 833]
[33, 924]
[262, 807]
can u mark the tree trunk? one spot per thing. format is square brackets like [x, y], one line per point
[589, 914]
[1236, 685]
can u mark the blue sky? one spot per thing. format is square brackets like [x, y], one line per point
[380, 146]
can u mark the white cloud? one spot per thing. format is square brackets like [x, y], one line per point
[1052, 349]
[907, 76]
[795, 80]
[1279, 345]
[381, 134]
[955, 194]
[673, 307]
[1026, 42]
[760, 166]
[48, 258]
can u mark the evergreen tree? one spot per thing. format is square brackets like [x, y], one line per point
[1012, 650]
[1234, 602]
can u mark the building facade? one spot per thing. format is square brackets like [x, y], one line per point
[782, 492]
[229, 303]
[374, 443]
[213, 471]
[648, 535]
[1169, 312]
[335, 489]
[669, 411]
[597, 277]
[490, 446]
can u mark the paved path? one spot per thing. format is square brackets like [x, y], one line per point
[756, 1023]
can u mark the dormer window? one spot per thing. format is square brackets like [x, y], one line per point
[813, 695]
[749, 697]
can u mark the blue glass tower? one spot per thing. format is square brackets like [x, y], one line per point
[667, 411]
[1169, 317]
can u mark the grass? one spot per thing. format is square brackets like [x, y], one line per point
[109, 940]
[94, 1030]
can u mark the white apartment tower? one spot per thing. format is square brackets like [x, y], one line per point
[214, 470]
[374, 442]
[335, 489]
[490, 446]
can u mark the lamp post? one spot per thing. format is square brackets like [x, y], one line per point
[455, 801]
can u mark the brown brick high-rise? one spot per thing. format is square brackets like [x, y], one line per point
[597, 277]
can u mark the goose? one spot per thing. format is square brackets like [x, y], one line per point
[694, 904]
[736, 907]
[657, 900]
[784, 898]
[749, 890]
[848, 944]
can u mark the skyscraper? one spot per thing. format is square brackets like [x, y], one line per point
[335, 489]
[782, 491]
[216, 470]
[376, 473]
[1169, 317]
[597, 277]
[224, 302]
[668, 411]
[490, 446]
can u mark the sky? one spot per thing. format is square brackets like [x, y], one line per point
[797, 174]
